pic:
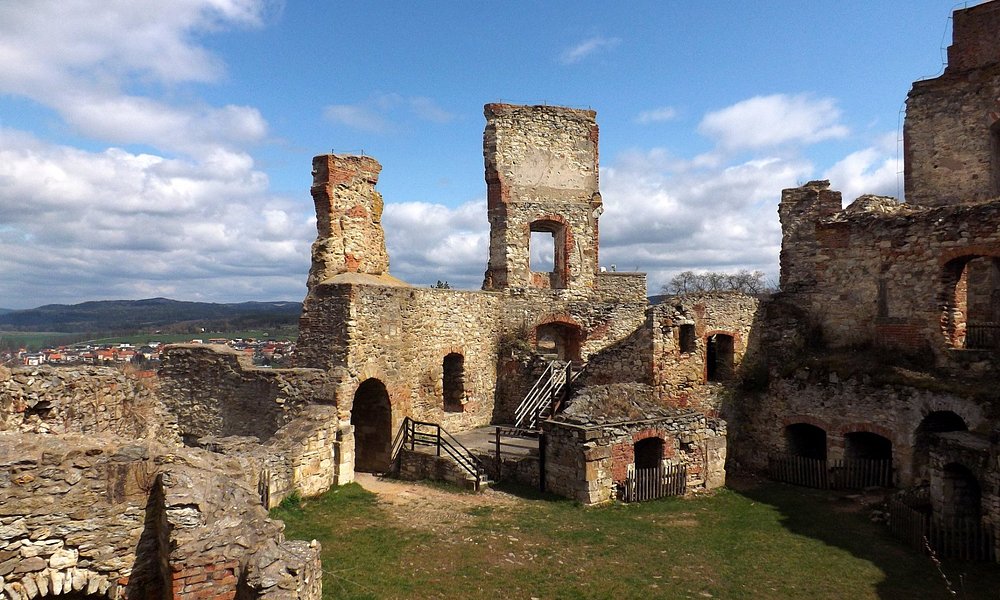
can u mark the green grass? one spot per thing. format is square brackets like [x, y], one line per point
[770, 541]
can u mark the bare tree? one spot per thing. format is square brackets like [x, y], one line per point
[742, 281]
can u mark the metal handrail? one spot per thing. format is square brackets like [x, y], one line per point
[442, 439]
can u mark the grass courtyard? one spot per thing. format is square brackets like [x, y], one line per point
[765, 541]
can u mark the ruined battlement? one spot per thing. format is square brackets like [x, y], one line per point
[542, 178]
[349, 235]
[975, 37]
[951, 135]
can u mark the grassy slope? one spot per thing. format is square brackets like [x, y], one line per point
[773, 541]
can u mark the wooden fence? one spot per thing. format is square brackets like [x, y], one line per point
[842, 474]
[658, 482]
[963, 539]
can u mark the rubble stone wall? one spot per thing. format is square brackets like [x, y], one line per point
[541, 169]
[81, 399]
[951, 128]
[214, 391]
[842, 407]
[106, 517]
[587, 463]
[879, 271]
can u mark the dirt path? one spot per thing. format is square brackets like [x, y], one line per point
[423, 506]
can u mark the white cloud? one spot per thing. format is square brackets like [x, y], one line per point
[656, 115]
[88, 225]
[382, 113]
[873, 170]
[577, 53]
[768, 121]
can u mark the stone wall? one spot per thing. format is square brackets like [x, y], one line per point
[953, 121]
[81, 399]
[217, 391]
[682, 329]
[110, 518]
[882, 272]
[589, 447]
[839, 407]
[348, 218]
[541, 175]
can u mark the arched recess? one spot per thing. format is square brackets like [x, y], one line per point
[453, 382]
[371, 415]
[867, 445]
[720, 356]
[971, 300]
[559, 340]
[806, 440]
[938, 421]
[648, 453]
[961, 494]
[547, 249]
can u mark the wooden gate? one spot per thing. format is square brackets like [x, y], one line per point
[649, 484]
[843, 474]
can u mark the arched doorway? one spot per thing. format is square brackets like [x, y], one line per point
[371, 415]
[961, 496]
[938, 421]
[719, 357]
[868, 446]
[648, 453]
[808, 441]
[560, 341]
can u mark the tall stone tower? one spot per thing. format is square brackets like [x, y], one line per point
[349, 236]
[952, 129]
[541, 177]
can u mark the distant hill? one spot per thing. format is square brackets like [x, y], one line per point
[4, 311]
[152, 313]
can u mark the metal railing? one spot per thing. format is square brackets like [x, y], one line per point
[550, 390]
[422, 433]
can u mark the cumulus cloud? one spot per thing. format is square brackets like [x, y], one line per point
[656, 115]
[587, 47]
[876, 169]
[382, 113]
[767, 121]
[88, 225]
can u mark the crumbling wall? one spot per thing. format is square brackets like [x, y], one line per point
[589, 448]
[106, 517]
[842, 406]
[348, 218]
[216, 391]
[879, 271]
[681, 329]
[82, 399]
[541, 175]
[953, 121]
[401, 335]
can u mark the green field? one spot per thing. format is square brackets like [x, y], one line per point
[768, 541]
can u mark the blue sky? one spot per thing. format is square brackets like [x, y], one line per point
[163, 149]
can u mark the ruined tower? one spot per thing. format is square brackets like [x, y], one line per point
[541, 177]
[348, 218]
[952, 130]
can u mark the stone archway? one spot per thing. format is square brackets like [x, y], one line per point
[806, 440]
[371, 416]
[961, 494]
[939, 421]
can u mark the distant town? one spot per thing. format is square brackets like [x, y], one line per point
[264, 353]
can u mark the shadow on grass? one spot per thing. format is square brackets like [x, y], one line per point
[839, 521]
